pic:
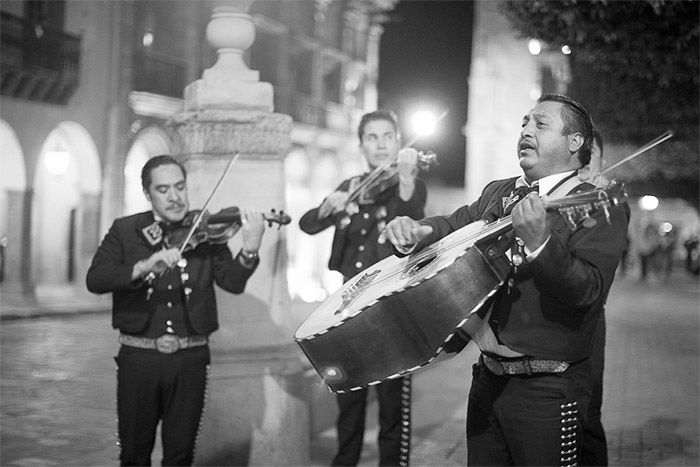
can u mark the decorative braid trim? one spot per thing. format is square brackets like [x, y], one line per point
[200, 426]
[116, 419]
[569, 425]
[405, 450]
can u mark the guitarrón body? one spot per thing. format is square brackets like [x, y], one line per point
[395, 316]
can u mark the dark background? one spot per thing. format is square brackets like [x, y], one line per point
[424, 58]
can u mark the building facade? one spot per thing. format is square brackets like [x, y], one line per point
[88, 88]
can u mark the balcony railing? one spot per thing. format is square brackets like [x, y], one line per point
[39, 63]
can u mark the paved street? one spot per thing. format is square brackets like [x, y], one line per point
[58, 385]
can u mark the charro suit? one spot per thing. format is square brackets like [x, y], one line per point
[549, 311]
[180, 303]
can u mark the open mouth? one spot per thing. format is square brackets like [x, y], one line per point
[525, 147]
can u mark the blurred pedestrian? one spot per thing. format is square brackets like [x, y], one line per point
[531, 387]
[165, 309]
[357, 245]
[647, 247]
[692, 255]
[667, 247]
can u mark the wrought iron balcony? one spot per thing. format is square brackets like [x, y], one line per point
[38, 63]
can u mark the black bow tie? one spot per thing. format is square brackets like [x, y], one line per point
[517, 195]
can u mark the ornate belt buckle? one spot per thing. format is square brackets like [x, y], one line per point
[168, 343]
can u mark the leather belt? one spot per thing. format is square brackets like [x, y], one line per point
[522, 365]
[167, 343]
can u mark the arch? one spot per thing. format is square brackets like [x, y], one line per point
[13, 186]
[13, 175]
[65, 206]
[150, 142]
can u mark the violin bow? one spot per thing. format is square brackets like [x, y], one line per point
[199, 217]
[379, 169]
[655, 142]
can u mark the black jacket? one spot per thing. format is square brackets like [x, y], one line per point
[356, 245]
[558, 297]
[125, 244]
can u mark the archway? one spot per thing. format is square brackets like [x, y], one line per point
[150, 142]
[65, 214]
[13, 185]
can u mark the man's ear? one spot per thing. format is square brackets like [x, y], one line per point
[147, 195]
[575, 142]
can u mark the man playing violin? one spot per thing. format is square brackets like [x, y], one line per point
[165, 309]
[531, 386]
[357, 244]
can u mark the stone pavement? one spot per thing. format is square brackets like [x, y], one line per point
[57, 384]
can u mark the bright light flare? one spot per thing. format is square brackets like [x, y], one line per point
[565, 49]
[424, 123]
[534, 46]
[648, 202]
[147, 39]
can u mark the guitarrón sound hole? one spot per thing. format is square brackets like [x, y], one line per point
[413, 268]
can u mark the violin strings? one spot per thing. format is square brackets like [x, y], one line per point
[371, 177]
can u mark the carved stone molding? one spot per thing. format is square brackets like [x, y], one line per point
[217, 132]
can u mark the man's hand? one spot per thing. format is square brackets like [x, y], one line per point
[157, 263]
[530, 221]
[407, 170]
[404, 232]
[335, 202]
[253, 227]
[407, 161]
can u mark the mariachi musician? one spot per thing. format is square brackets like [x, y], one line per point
[357, 244]
[165, 309]
[530, 388]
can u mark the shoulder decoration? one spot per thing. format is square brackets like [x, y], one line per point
[153, 233]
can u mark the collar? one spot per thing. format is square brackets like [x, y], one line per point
[545, 185]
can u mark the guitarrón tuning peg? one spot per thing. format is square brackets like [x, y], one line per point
[584, 213]
[568, 214]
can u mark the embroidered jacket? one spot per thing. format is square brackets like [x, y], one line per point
[134, 238]
[356, 243]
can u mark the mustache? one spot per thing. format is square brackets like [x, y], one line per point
[175, 206]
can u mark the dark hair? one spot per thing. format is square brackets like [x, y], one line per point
[598, 140]
[387, 115]
[576, 120]
[157, 161]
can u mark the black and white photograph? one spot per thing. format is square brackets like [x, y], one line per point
[310, 233]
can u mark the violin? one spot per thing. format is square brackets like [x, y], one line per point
[215, 228]
[383, 178]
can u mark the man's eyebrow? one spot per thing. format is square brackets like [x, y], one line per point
[542, 116]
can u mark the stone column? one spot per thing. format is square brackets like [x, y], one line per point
[256, 411]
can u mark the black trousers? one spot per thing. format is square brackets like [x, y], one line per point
[394, 397]
[594, 447]
[152, 386]
[527, 420]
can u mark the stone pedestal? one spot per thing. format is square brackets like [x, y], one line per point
[257, 409]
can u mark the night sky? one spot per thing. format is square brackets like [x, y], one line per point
[424, 58]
